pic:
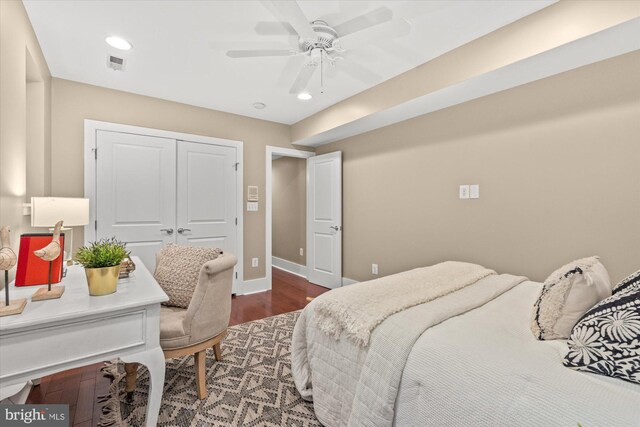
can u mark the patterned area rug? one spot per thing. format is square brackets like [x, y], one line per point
[251, 386]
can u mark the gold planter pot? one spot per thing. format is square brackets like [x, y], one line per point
[102, 281]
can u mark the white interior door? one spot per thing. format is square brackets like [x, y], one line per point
[324, 219]
[207, 205]
[136, 191]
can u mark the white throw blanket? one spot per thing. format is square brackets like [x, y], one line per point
[351, 385]
[356, 310]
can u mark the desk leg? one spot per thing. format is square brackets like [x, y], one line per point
[154, 361]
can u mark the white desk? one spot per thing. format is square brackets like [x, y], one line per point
[78, 330]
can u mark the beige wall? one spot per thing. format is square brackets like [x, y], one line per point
[73, 102]
[557, 164]
[289, 209]
[24, 118]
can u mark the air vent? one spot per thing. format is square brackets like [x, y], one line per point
[115, 63]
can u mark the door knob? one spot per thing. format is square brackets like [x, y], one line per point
[336, 227]
[182, 230]
[167, 230]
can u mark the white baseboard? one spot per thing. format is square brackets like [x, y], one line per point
[19, 398]
[288, 266]
[261, 284]
[253, 286]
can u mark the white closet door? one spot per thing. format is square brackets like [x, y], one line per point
[136, 192]
[207, 209]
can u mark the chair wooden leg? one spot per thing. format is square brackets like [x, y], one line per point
[132, 373]
[199, 364]
[217, 351]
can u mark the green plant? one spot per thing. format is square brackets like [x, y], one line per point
[103, 253]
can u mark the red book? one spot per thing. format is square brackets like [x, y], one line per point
[32, 270]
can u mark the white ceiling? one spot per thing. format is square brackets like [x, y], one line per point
[178, 47]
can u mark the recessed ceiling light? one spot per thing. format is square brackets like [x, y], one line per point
[304, 96]
[118, 43]
[259, 105]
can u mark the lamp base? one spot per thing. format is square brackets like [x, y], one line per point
[43, 294]
[15, 307]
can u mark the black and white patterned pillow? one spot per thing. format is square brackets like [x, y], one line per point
[632, 281]
[606, 340]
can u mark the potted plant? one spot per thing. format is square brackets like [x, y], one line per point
[101, 261]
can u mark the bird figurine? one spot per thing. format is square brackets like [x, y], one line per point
[50, 253]
[8, 260]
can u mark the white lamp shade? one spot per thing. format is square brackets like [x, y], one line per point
[46, 211]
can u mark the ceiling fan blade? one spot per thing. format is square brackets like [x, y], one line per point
[358, 72]
[303, 78]
[369, 19]
[290, 12]
[275, 29]
[387, 30]
[257, 53]
[291, 68]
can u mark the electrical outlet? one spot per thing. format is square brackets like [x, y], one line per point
[374, 268]
[301, 252]
[254, 262]
[464, 192]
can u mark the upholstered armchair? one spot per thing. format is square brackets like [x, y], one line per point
[201, 326]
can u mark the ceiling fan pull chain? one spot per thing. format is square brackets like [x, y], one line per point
[322, 53]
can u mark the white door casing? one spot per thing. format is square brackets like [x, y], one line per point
[206, 201]
[271, 151]
[134, 203]
[324, 219]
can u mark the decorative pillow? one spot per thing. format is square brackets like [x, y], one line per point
[178, 271]
[566, 295]
[632, 281]
[606, 340]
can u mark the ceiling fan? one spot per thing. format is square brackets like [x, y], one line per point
[319, 43]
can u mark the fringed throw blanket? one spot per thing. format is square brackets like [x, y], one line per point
[354, 311]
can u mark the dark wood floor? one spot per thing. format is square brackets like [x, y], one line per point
[80, 387]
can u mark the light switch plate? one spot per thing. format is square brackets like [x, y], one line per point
[464, 192]
[474, 191]
[254, 262]
[252, 206]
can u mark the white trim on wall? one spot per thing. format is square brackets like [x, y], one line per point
[91, 127]
[285, 152]
[290, 267]
[254, 286]
[346, 281]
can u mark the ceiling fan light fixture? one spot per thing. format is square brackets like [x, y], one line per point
[118, 42]
[304, 96]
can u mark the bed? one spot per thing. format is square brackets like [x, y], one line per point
[471, 365]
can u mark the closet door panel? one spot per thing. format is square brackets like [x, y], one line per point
[136, 190]
[206, 199]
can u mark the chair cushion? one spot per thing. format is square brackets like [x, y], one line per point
[172, 333]
[178, 271]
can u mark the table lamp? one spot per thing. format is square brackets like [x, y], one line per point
[46, 211]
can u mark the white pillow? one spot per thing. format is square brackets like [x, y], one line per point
[567, 294]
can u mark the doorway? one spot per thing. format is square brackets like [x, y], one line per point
[286, 182]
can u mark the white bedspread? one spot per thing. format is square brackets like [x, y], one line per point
[482, 368]
[357, 386]
[486, 369]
